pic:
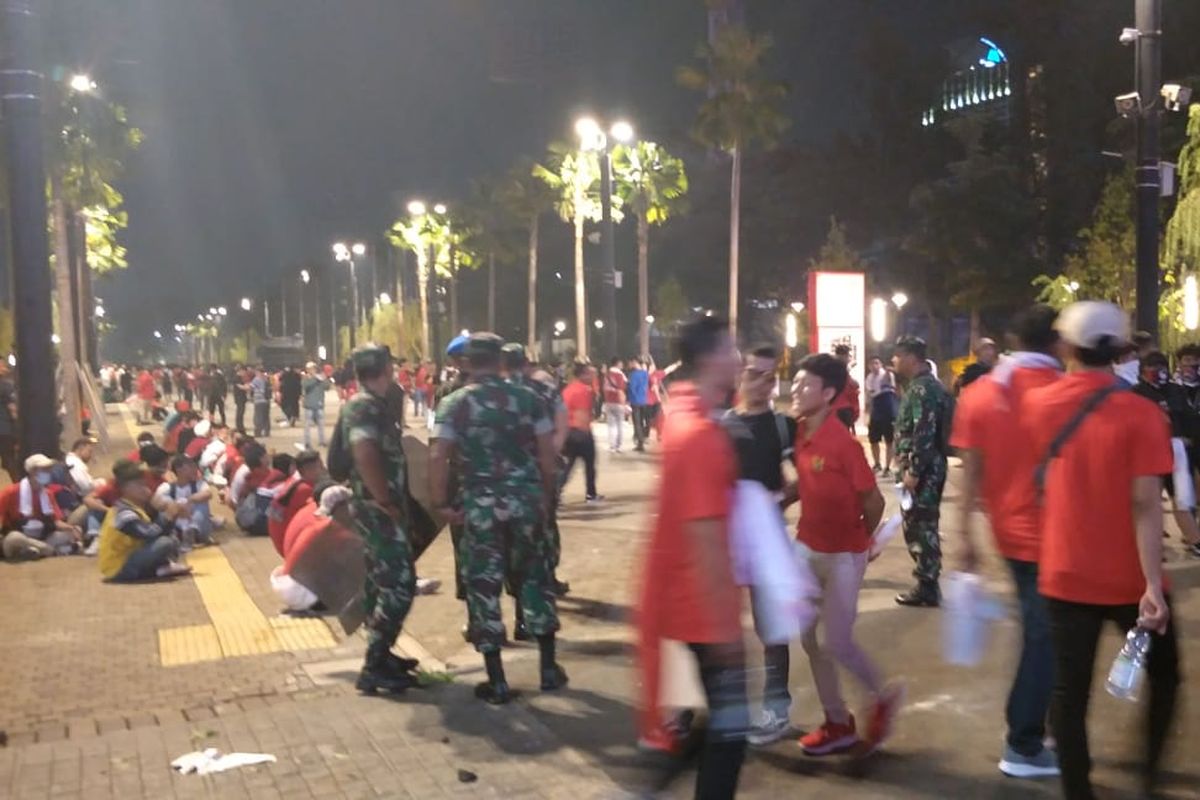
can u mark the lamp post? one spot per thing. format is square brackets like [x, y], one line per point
[593, 137]
[305, 277]
[1148, 74]
[342, 253]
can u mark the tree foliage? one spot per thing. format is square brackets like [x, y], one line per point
[651, 182]
[836, 254]
[574, 178]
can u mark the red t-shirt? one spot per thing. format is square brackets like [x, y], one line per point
[303, 517]
[579, 401]
[405, 378]
[849, 397]
[1089, 541]
[10, 505]
[656, 379]
[145, 385]
[615, 383]
[699, 469]
[196, 447]
[986, 419]
[317, 528]
[280, 514]
[831, 475]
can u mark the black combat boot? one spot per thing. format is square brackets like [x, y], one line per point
[494, 690]
[924, 595]
[379, 672]
[553, 676]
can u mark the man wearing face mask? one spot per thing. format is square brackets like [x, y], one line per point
[32, 524]
[1155, 385]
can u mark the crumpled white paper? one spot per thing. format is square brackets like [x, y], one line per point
[210, 760]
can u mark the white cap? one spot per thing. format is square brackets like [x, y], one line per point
[203, 428]
[331, 498]
[1085, 323]
[38, 461]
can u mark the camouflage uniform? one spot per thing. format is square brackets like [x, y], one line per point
[494, 427]
[919, 451]
[445, 390]
[391, 579]
[552, 400]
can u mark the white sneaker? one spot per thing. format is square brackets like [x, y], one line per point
[428, 585]
[93, 548]
[771, 728]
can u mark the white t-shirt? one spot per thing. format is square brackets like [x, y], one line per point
[80, 474]
[238, 484]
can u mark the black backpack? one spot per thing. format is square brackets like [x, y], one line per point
[338, 459]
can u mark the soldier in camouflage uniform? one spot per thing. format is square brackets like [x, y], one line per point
[454, 353]
[521, 372]
[499, 439]
[921, 464]
[379, 481]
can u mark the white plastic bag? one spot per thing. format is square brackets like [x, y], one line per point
[1185, 490]
[884, 534]
[764, 558]
[968, 610]
[295, 596]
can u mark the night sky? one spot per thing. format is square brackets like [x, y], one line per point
[274, 127]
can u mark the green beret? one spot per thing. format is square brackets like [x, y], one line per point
[483, 344]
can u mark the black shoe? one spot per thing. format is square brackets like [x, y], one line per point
[521, 633]
[402, 664]
[560, 588]
[495, 694]
[920, 596]
[555, 678]
[376, 678]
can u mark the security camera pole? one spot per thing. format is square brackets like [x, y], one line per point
[1148, 74]
[21, 107]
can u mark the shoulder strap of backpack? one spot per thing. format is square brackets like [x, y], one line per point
[1068, 430]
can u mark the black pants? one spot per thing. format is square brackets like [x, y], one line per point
[641, 425]
[728, 718]
[240, 414]
[580, 444]
[216, 406]
[1075, 628]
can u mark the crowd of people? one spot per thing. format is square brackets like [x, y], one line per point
[1064, 445]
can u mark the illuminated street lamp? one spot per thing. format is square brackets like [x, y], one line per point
[222, 311]
[247, 304]
[439, 208]
[791, 334]
[384, 298]
[900, 299]
[100, 312]
[878, 319]
[649, 319]
[416, 208]
[599, 324]
[82, 83]
[1191, 304]
[797, 307]
[342, 253]
[158, 334]
[592, 137]
[560, 326]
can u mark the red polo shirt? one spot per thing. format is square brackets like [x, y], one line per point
[615, 384]
[832, 474]
[986, 419]
[1089, 541]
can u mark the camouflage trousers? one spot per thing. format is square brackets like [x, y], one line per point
[503, 541]
[460, 583]
[921, 525]
[391, 578]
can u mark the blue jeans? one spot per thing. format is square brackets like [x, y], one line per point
[145, 561]
[1029, 698]
[314, 416]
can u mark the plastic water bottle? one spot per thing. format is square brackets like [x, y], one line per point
[1129, 668]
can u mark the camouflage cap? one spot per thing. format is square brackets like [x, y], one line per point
[483, 344]
[457, 344]
[371, 356]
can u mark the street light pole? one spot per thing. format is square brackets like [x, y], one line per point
[21, 107]
[609, 281]
[1148, 77]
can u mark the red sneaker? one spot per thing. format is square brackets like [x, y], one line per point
[829, 738]
[883, 715]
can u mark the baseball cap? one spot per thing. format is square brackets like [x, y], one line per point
[1086, 323]
[457, 345]
[203, 428]
[38, 461]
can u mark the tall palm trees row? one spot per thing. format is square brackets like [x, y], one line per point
[740, 110]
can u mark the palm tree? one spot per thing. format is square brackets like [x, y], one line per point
[529, 197]
[652, 183]
[575, 177]
[493, 226]
[426, 233]
[741, 108]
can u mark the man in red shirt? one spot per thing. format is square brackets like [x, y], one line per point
[145, 392]
[292, 494]
[840, 508]
[688, 593]
[579, 400]
[1103, 451]
[998, 467]
[846, 404]
[615, 399]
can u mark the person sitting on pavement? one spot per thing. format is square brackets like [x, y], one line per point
[78, 476]
[193, 521]
[250, 474]
[292, 494]
[202, 435]
[133, 547]
[33, 525]
[210, 458]
[317, 518]
[144, 438]
[184, 434]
